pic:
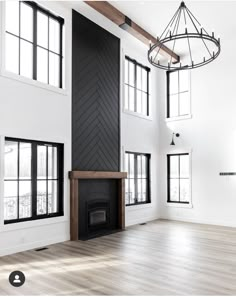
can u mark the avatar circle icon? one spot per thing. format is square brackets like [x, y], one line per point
[17, 278]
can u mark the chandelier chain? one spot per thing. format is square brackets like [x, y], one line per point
[177, 28]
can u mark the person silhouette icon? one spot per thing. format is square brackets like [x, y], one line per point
[17, 279]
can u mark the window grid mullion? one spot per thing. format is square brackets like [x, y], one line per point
[181, 92]
[42, 47]
[148, 177]
[127, 156]
[19, 37]
[18, 177]
[136, 177]
[46, 179]
[178, 95]
[141, 93]
[135, 87]
[35, 9]
[168, 94]
[61, 55]
[148, 95]
[48, 49]
[128, 87]
[142, 179]
[34, 179]
[141, 172]
[127, 84]
[35, 37]
[179, 178]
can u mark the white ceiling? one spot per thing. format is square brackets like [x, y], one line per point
[155, 15]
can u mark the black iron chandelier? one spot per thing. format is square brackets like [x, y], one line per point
[185, 35]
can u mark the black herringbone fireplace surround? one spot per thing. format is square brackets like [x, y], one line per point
[95, 123]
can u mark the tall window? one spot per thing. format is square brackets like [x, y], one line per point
[138, 181]
[178, 178]
[136, 87]
[33, 180]
[178, 93]
[34, 42]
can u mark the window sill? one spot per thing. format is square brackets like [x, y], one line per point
[180, 118]
[133, 207]
[138, 115]
[33, 223]
[179, 205]
[32, 82]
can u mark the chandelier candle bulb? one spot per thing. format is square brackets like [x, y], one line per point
[186, 28]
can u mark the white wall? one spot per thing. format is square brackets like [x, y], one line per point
[211, 134]
[28, 110]
[141, 134]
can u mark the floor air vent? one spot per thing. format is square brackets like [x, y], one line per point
[41, 249]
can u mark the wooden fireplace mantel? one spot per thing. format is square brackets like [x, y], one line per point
[96, 175]
[74, 177]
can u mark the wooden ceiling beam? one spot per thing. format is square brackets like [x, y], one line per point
[117, 17]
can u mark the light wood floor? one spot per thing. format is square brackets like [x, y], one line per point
[160, 258]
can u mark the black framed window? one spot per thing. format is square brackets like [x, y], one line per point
[178, 93]
[178, 172]
[33, 45]
[138, 182]
[33, 180]
[136, 87]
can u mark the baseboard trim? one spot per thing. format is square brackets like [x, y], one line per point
[202, 221]
[33, 245]
[141, 220]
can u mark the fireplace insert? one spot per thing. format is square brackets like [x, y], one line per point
[98, 208]
[98, 214]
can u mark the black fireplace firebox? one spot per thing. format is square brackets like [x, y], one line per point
[98, 207]
[98, 214]
[97, 203]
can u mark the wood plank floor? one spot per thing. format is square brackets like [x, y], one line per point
[159, 258]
